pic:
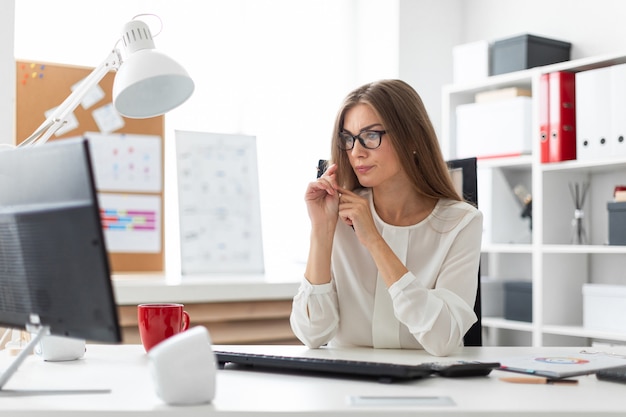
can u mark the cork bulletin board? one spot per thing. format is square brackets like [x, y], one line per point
[127, 156]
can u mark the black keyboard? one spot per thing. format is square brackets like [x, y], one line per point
[382, 371]
[616, 374]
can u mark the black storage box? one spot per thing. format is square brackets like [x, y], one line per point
[617, 223]
[518, 300]
[526, 51]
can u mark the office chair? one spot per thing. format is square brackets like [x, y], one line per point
[468, 186]
[467, 183]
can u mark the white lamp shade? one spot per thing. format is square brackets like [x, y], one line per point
[149, 84]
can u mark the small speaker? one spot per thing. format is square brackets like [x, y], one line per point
[59, 348]
[183, 368]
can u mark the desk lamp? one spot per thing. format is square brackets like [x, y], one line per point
[147, 83]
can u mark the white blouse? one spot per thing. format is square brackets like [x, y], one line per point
[430, 307]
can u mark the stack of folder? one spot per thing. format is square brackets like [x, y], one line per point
[557, 116]
[601, 110]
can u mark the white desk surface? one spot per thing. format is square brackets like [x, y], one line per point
[123, 369]
[133, 289]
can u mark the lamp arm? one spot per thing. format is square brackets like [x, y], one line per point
[60, 114]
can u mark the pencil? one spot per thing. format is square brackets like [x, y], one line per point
[538, 380]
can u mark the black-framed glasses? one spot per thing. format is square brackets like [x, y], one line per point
[369, 139]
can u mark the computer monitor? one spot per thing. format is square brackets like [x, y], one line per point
[54, 269]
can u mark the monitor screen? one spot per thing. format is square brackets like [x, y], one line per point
[54, 268]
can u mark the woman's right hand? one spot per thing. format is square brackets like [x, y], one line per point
[322, 199]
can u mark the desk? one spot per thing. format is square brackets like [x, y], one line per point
[236, 308]
[124, 370]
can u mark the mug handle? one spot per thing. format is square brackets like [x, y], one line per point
[185, 321]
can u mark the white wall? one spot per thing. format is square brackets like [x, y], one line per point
[594, 27]
[294, 61]
[428, 31]
[7, 74]
[276, 69]
[430, 28]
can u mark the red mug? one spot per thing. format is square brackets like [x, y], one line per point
[158, 321]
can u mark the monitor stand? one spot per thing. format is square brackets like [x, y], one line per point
[39, 333]
[26, 351]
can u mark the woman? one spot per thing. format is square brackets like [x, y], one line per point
[394, 250]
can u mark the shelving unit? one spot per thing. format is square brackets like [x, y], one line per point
[545, 256]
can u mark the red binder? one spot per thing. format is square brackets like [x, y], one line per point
[544, 117]
[562, 116]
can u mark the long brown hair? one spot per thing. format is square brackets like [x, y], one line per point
[410, 132]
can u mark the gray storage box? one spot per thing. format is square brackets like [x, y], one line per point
[518, 300]
[492, 297]
[526, 51]
[617, 223]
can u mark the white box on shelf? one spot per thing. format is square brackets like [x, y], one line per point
[470, 61]
[604, 307]
[502, 211]
[501, 94]
[494, 129]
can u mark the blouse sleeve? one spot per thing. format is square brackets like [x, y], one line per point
[315, 313]
[439, 318]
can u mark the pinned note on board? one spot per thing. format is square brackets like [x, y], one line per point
[126, 162]
[219, 205]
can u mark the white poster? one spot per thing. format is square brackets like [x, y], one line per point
[219, 207]
[131, 222]
[126, 162]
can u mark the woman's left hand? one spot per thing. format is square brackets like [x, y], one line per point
[354, 211]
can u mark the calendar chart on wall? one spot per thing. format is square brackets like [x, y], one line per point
[219, 207]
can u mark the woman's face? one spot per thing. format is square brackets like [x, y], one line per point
[373, 167]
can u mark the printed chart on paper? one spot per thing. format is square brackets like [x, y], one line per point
[219, 208]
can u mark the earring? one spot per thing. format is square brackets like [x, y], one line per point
[414, 152]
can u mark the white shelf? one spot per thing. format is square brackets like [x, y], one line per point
[512, 79]
[501, 323]
[523, 161]
[584, 64]
[584, 249]
[556, 270]
[605, 165]
[579, 331]
[554, 249]
[506, 248]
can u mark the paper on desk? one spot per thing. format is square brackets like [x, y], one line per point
[555, 367]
